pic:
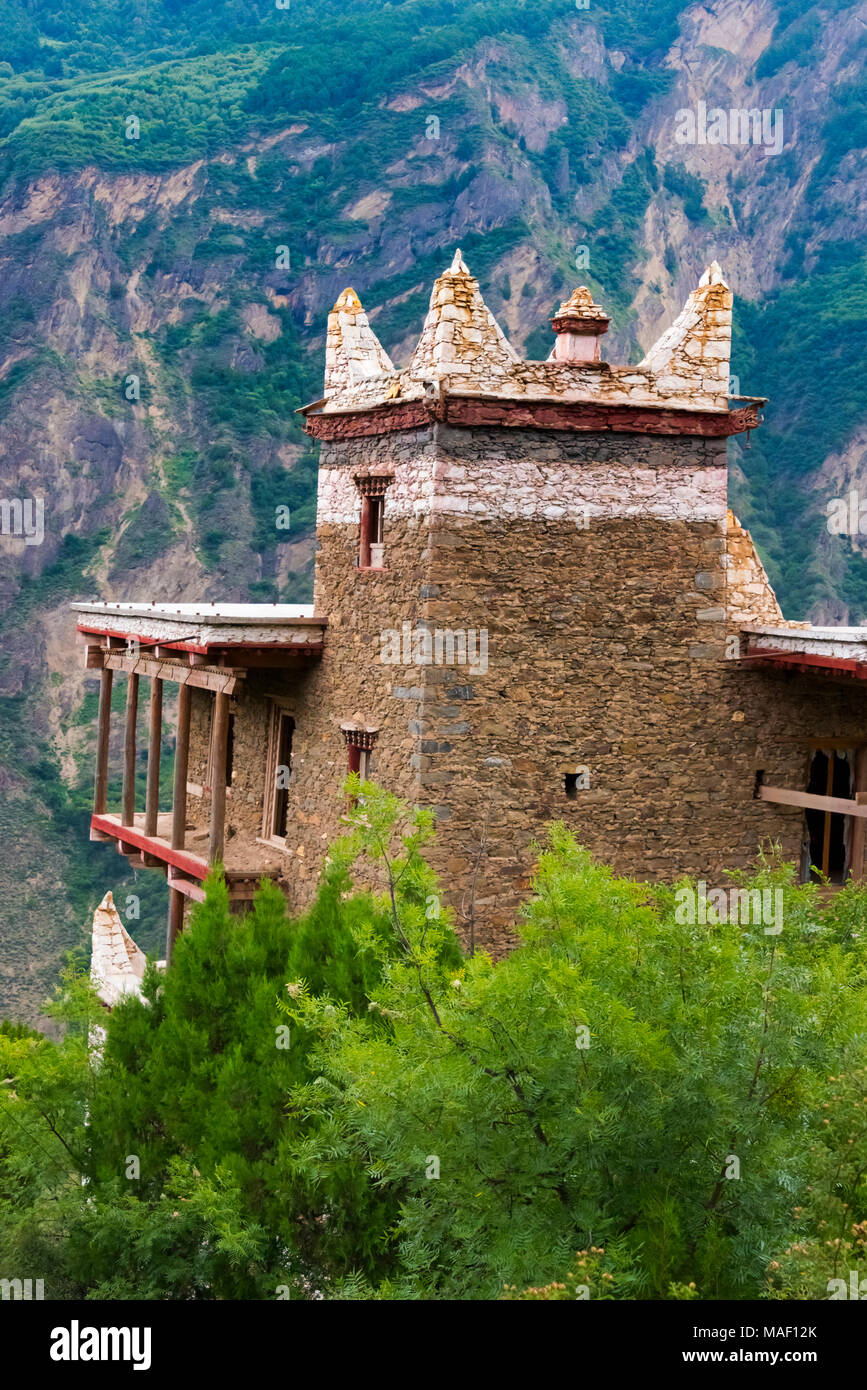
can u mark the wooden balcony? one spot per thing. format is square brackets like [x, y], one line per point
[245, 862]
[209, 646]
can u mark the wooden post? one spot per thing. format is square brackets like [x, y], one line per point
[100, 782]
[155, 737]
[176, 918]
[859, 825]
[128, 806]
[218, 777]
[182, 757]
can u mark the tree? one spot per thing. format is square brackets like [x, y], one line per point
[622, 1080]
[193, 1095]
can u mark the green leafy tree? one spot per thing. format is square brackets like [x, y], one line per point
[45, 1087]
[194, 1088]
[622, 1080]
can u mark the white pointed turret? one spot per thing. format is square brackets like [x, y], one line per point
[460, 334]
[353, 353]
[692, 356]
[117, 964]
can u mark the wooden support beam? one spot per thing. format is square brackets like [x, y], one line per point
[859, 826]
[128, 803]
[100, 781]
[218, 778]
[205, 678]
[176, 920]
[182, 756]
[155, 737]
[838, 804]
[188, 886]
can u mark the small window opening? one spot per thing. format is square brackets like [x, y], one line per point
[372, 520]
[571, 781]
[359, 760]
[377, 511]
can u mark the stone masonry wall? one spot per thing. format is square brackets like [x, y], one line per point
[606, 651]
[598, 567]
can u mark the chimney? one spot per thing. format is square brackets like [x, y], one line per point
[579, 324]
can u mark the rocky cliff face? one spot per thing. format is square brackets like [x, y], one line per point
[163, 304]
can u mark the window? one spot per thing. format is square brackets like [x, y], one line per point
[576, 779]
[372, 487]
[359, 740]
[282, 772]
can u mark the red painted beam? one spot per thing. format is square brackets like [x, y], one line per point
[533, 414]
[94, 631]
[807, 662]
[161, 849]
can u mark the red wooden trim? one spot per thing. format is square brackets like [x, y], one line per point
[468, 411]
[187, 887]
[807, 662]
[161, 849]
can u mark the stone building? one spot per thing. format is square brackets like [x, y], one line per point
[531, 603]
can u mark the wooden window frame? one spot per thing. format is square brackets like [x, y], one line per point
[372, 488]
[279, 711]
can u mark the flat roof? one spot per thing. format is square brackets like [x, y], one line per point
[216, 631]
[834, 650]
[812, 634]
[236, 614]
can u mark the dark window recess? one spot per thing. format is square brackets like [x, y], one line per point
[284, 761]
[571, 781]
[377, 512]
[372, 514]
[828, 830]
[359, 761]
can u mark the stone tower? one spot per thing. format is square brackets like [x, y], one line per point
[523, 566]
